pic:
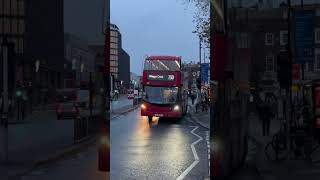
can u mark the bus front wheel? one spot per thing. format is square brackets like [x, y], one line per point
[150, 119]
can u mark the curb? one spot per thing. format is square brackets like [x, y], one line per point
[195, 119]
[124, 112]
[56, 156]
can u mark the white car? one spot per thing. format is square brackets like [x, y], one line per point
[82, 99]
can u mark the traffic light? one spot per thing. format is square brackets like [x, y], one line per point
[284, 70]
[19, 92]
[199, 83]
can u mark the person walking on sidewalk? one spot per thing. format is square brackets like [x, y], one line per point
[266, 116]
[204, 102]
[193, 97]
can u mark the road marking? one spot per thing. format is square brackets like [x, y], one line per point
[208, 145]
[195, 155]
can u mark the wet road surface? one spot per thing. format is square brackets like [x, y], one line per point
[160, 150]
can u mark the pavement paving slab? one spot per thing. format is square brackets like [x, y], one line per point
[288, 169]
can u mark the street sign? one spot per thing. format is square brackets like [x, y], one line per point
[303, 27]
[205, 73]
[161, 77]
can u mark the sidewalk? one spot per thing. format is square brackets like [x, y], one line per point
[34, 141]
[40, 138]
[288, 169]
[202, 118]
[124, 109]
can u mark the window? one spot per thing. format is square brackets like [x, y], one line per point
[283, 38]
[114, 40]
[242, 40]
[6, 25]
[1, 26]
[161, 95]
[317, 35]
[21, 7]
[269, 63]
[163, 65]
[21, 26]
[114, 46]
[14, 7]
[113, 33]
[14, 23]
[311, 66]
[6, 7]
[317, 12]
[269, 39]
[317, 59]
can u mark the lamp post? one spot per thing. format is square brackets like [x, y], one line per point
[74, 61]
[200, 41]
[104, 145]
[81, 71]
[36, 81]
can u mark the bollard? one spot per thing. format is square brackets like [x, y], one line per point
[75, 129]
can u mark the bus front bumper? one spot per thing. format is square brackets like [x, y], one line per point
[170, 114]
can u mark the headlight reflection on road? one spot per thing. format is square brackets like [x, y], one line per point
[142, 129]
[174, 139]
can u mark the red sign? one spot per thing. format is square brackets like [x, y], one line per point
[296, 69]
[317, 101]
[218, 58]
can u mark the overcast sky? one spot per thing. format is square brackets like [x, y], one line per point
[155, 27]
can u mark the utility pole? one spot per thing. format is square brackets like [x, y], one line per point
[200, 41]
[204, 55]
[90, 88]
[4, 118]
[289, 91]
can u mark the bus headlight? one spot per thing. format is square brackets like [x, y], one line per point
[143, 106]
[176, 108]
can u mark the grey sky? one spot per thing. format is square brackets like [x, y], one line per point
[155, 27]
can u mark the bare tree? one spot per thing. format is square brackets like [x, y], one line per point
[201, 18]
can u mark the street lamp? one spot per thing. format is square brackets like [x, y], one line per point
[81, 71]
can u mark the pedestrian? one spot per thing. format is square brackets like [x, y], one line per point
[204, 105]
[266, 115]
[193, 97]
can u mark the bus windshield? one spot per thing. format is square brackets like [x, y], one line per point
[161, 95]
[162, 65]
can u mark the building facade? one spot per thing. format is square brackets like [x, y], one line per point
[115, 48]
[98, 51]
[192, 72]
[36, 30]
[12, 23]
[259, 36]
[81, 58]
[124, 69]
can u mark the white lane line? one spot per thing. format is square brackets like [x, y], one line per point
[195, 155]
[208, 145]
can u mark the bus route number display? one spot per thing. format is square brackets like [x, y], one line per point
[161, 77]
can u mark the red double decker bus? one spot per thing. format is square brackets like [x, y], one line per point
[163, 91]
